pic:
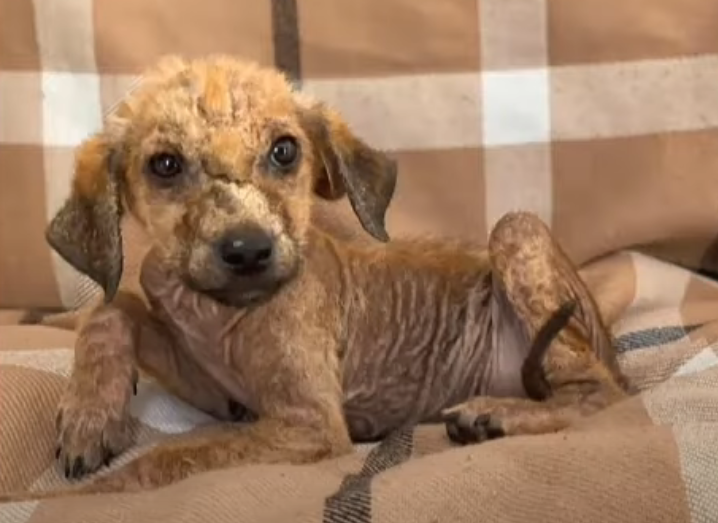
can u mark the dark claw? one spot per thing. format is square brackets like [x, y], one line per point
[239, 412]
[453, 432]
[78, 468]
[107, 456]
[493, 430]
[58, 451]
[478, 430]
[135, 379]
[459, 433]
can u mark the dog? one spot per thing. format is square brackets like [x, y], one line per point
[254, 314]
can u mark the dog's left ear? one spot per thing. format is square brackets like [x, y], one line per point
[347, 165]
[86, 230]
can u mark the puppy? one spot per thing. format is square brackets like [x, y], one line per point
[253, 312]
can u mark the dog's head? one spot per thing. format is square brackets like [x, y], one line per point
[218, 160]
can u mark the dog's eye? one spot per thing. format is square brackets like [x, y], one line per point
[165, 165]
[284, 152]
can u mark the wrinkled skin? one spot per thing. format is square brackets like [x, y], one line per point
[202, 329]
[476, 387]
[334, 342]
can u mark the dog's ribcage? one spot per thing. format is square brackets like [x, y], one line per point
[418, 343]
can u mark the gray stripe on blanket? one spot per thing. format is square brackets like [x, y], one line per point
[286, 38]
[652, 337]
[352, 502]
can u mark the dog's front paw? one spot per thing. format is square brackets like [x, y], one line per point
[92, 429]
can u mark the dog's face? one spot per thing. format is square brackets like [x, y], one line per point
[219, 166]
[219, 160]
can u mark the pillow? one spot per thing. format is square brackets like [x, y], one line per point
[603, 121]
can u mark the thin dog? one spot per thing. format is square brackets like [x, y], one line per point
[255, 313]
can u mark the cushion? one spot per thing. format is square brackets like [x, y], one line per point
[603, 121]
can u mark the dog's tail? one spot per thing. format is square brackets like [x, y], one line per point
[532, 373]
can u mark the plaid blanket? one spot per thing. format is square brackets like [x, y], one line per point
[654, 452]
[602, 120]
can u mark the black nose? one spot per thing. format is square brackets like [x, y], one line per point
[247, 251]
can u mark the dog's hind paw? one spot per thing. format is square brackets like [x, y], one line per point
[465, 427]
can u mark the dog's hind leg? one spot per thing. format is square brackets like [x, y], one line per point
[576, 373]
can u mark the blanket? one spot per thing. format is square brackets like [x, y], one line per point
[601, 120]
[649, 458]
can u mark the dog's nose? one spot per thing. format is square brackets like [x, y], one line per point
[246, 252]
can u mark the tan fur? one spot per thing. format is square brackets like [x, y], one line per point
[345, 341]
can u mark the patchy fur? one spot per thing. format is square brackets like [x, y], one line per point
[330, 341]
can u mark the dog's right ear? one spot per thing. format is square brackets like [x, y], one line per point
[86, 230]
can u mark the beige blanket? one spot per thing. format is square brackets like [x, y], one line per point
[648, 459]
[603, 120]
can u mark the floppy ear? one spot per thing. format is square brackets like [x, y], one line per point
[349, 166]
[86, 229]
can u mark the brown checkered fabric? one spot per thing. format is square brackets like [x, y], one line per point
[603, 121]
[648, 459]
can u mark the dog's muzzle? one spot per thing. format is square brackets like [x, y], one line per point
[243, 265]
